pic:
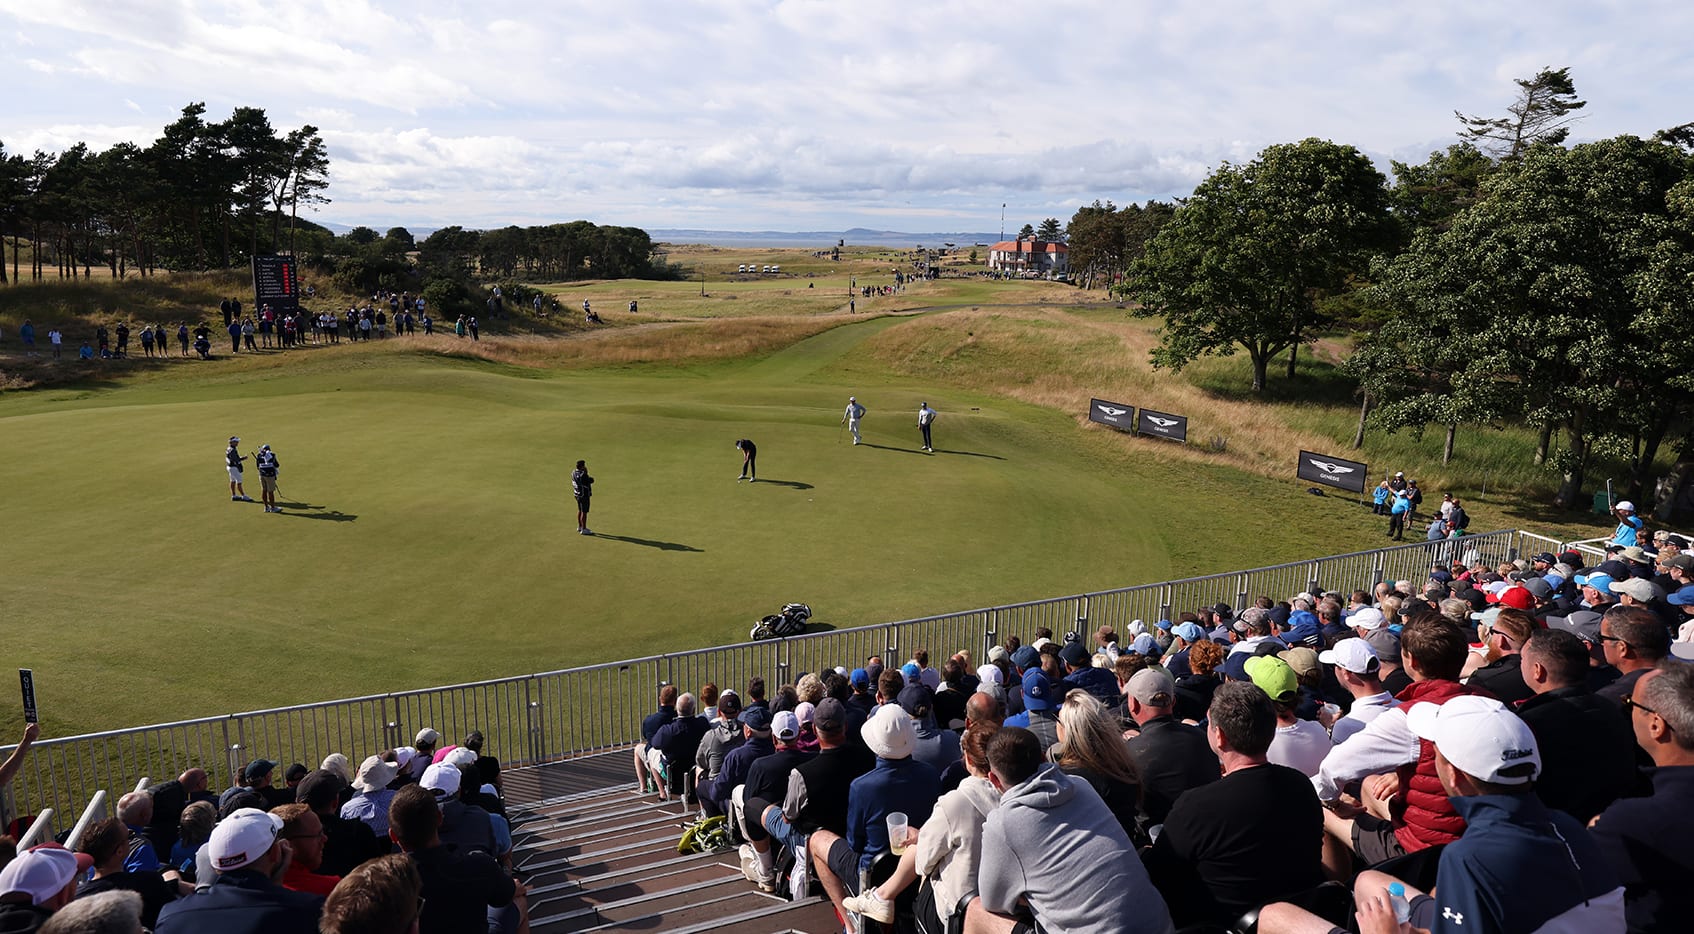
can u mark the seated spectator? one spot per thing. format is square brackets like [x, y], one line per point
[1386, 644]
[767, 782]
[465, 828]
[1299, 744]
[755, 745]
[935, 747]
[897, 783]
[1499, 671]
[1047, 827]
[1081, 673]
[1649, 842]
[1422, 815]
[462, 892]
[1170, 757]
[1253, 630]
[1634, 642]
[169, 800]
[116, 912]
[383, 896]
[951, 696]
[1194, 691]
[726, 734]
[347, 841]
[36, 883]
[1587, 750]
[1214, 859]
[372, 795]
[671, 751]
[107, 842]
[862, 697]
[1357, 670]
[424, 746]
[1308, 674]
[816, 796]
[194, 828]
[246, 850]
[645, 781]
[1040, 715]
[1499, 875]
[948, 848]
[756, 694]
[1091, 748]
[136, 811]
[1184, 636]
[255, 777]
[305, 836]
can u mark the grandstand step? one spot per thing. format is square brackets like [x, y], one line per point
[721, 887]
[707, 910]
[565, 879]
[572, 776]
[812, 916]
[605, 834]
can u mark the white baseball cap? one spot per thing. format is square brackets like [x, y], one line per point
[785, 725]
[42, 872]
[1625, 506]
[1479, 736]
[427, 737]
[1368, 618]
[441, 778]
[1355, 655]
[243, 838]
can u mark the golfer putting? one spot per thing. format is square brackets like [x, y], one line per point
[749, 460]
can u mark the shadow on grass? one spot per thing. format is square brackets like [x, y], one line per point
[971, 454]
[647, 542]
[884, 447]
[316, 512]
[1316, 382]
[791, 484]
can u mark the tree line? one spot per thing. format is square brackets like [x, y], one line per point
[1507, 278]
[205, 193]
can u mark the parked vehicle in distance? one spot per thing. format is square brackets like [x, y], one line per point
[741, 268]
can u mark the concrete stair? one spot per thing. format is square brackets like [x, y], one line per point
[604, 859]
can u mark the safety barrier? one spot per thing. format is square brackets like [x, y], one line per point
[546, 717]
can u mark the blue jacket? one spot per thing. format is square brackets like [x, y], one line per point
[734, 771]
[1100, 683]
[905, 785]
[658, 718]
[242, 902]
[1518, 866]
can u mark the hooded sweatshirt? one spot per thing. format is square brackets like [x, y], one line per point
[950, 843]
[1033, 843]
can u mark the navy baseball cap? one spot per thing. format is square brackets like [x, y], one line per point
[757, 719]
[860, 678]
[1038, 691]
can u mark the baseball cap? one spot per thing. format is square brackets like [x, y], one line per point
[830, 716]
[1303, 660]
[1514, 597]
[1189, 632]
[242, 838]
[42, 872]
[1145, 644]
[1479, 736]
[1488, 616]
[1368, 618]
[785, 726]
[997, 653]
[860, 678]
[1539, 587]
[1684, 596]
[1224, 611]
[913, 673]
[1074, 655]
[757, 719]
[1585, 624]
[1037, 691]
[1685, 562]
[460, 756]
[1273, 676]
[1355, 655]
[1235, 666]
[1637, 554]
[426, 737]
[1151, 687]
[233, 439]
[889, 733]
[1639, 588]
[990, 674]
[1545, 557]
[1026, 657]
[805, 712]
[319, 788]
[917, 700]
[441, 778]
[257, 769]
[1386, 644]
[1625, 506]
[1600, 582]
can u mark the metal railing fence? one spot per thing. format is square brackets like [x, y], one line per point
[549, 716]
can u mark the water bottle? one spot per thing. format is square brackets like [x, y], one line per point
[1397, 898]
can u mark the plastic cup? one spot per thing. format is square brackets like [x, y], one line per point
[897, 832]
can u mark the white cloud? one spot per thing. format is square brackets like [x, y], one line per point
[770, 113]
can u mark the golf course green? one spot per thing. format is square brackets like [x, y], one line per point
[428, 535]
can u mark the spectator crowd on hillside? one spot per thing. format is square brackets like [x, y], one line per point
[415, 839]
[1500, 748]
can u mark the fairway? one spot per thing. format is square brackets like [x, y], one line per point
[428, 532]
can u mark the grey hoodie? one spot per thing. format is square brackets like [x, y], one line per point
[950, 843]
[1054, 842]
[724, 736]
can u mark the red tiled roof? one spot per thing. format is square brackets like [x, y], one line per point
[1030, 246]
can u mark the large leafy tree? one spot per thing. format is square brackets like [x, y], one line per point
[1241, 263]
[1545, 108]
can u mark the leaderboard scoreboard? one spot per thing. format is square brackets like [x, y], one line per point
[276, 283]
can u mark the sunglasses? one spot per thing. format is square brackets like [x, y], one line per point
[1631, 704]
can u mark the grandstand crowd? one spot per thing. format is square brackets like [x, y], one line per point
[1500, 748]
[1503, 748]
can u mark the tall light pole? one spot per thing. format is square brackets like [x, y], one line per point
[1002, 220]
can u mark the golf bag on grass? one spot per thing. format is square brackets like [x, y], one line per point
[791, 621]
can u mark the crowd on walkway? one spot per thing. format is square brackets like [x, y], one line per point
[415, 839]
[1503, 748]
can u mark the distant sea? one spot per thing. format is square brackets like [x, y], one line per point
[816, 239]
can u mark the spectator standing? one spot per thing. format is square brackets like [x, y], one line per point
[233, 459]
[1629, 525]
[926, 418]
[246, 849]
[1046, 827]
[582, 487]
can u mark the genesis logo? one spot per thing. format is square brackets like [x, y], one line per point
[1112, 411]
[1161, 422]
[1329, 468]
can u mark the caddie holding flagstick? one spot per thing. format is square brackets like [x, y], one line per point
[269, 466]
[233, 459]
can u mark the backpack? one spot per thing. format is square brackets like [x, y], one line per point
[710, 835]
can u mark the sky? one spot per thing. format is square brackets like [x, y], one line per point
[807, 115]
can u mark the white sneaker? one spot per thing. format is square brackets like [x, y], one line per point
[749, 862]
[588, 531]
[871, 906]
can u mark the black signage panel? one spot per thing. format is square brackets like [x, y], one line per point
[1330, 470]
[1162, 424]
[275, 283]
[1112, 414]
[27, 677]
